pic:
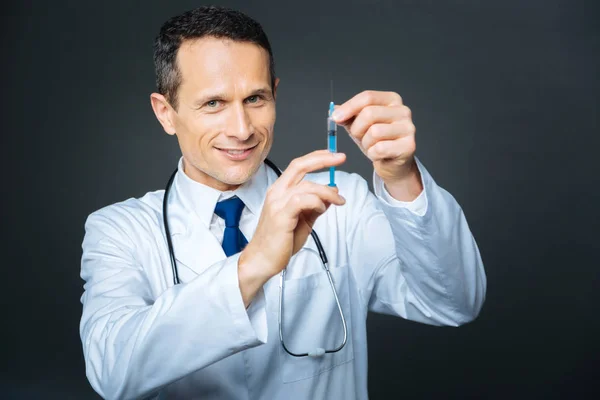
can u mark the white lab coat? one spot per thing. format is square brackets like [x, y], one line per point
[145, 338]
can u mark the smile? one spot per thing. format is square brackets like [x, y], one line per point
[237, 154]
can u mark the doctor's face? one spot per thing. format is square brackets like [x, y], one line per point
[225, 111]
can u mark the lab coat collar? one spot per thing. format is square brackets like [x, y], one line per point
[202, 199]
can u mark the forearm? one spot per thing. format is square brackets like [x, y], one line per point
[443, 267]
[133, 348]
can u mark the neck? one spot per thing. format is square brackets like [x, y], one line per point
[205, 179]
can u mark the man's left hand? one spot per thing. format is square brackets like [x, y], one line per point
[382, 127]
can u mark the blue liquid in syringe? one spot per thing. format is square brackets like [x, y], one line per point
[332, 141]
[332, 146]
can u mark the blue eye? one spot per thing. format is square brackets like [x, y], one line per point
[252, 99]
[212, 103]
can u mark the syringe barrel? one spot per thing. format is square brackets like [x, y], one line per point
[331, 125]
[331, 136]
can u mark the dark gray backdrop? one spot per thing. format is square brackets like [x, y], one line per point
[505, 100]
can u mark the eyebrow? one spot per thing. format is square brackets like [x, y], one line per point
[262, 91]
[265, 91]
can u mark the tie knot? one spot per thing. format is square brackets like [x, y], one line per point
[230, 210]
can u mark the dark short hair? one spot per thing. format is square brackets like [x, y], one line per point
[210, 21]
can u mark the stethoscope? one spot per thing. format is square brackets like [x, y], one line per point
[317, 352]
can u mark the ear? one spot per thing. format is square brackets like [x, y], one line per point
[164, 112]
[275, 88]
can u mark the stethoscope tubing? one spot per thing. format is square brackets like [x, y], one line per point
[322, 255]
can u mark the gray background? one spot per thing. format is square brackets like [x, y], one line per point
[505, 100]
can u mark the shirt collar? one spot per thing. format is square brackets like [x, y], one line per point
[202, 199]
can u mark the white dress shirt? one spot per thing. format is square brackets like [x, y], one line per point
[143, 337]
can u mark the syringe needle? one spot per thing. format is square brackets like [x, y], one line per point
[331, 86]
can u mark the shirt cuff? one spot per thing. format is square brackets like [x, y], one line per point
[418, 206]
[251, 323]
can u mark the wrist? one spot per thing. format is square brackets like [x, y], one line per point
[251, 274]
[407, 185]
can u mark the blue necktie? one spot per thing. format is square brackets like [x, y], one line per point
[231, 211]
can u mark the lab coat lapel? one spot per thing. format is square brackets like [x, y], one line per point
[196, 249]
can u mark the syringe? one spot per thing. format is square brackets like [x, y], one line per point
[331, 141]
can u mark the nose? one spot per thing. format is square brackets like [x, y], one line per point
[241, 127]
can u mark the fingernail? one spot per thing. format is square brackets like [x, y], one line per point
[338, 155]
[336, 116]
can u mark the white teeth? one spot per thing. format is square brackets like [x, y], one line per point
[236, 151]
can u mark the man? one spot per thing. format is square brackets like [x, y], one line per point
[405, 250]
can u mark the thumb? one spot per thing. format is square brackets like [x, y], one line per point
[344, 120]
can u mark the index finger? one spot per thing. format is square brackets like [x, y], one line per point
[353, 106]
[310, 162]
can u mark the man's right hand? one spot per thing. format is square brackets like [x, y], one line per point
[291, 208]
